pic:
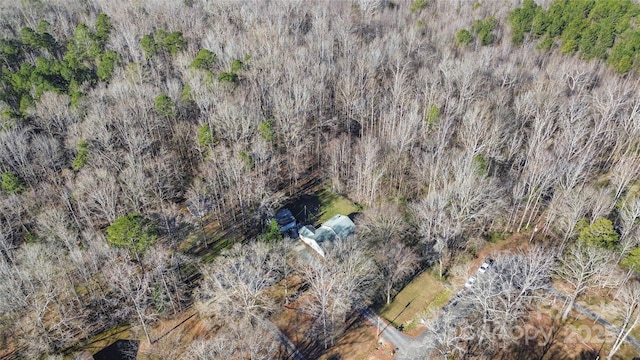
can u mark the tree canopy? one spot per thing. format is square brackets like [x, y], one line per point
[601, 233]
[132, 232]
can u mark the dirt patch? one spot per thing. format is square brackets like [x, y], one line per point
[546, 337]
[296, 324]
[359, 342]
[173, 336]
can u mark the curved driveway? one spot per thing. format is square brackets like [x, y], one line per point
[409, 348]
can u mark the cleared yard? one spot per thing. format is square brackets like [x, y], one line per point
[424, 295]
[318, 205]
[332, 204]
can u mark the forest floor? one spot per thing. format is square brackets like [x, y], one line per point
[316, 204]
[359, 342]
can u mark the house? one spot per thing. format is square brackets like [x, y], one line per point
[338, 227]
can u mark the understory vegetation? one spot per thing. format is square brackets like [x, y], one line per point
[145, 146]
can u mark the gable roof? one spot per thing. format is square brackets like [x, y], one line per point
[338, 227]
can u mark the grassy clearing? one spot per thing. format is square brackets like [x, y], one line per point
[423, 295]
[426, 294]
[332, 204]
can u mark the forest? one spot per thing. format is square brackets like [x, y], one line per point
[132, 133]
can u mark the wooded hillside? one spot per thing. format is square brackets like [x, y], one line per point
[451, 123]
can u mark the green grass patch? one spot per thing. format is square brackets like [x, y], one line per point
[495, 236]
[423, 294]
[216, 241]
[332, 204]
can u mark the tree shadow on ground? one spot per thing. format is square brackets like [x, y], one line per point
[119, 350]
[305, 208]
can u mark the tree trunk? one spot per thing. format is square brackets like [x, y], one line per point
[144, 325]
[569, 307]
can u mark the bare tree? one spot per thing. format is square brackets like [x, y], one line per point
[236, 342]
[583, 266]
[396, 262]
[628, 215]
[337, 285]
[53, 113]
[381, 224]
[235, 285]
[100, 197]
[567, 207]
[629, 298]
[133, 287]
[448, 333]
[286, 257]
[623, 172]
[368, 172]
[503, 296]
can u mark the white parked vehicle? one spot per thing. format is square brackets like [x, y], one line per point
[470, 282]
[485, 266]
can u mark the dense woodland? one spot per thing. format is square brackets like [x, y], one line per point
[452, 124]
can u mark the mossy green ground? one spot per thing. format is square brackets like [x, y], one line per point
[332, 204]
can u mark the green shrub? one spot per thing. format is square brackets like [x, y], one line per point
[632, 261]
[149, 46]
[464, 37]
[206, 136]
[546, 44]
[82, 156]
[433, 114]
[246, 159]
[172, 42]
[588, 28]
[236, 65]
[204, 60]
[272, 234]
[418, 5]
[520, 20]
[164, 42]
[11, 183]
[266, 130]
[26, 103]
[165, 107]
[540, 23]
[480, 165]
[228, 77]
[107, 64]
[484, 30]
[624, 64]
[103, 29]
[495, 236]
[569, 47]
[601, 233]
[132, 232]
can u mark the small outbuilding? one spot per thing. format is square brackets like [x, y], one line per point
[285, 220]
